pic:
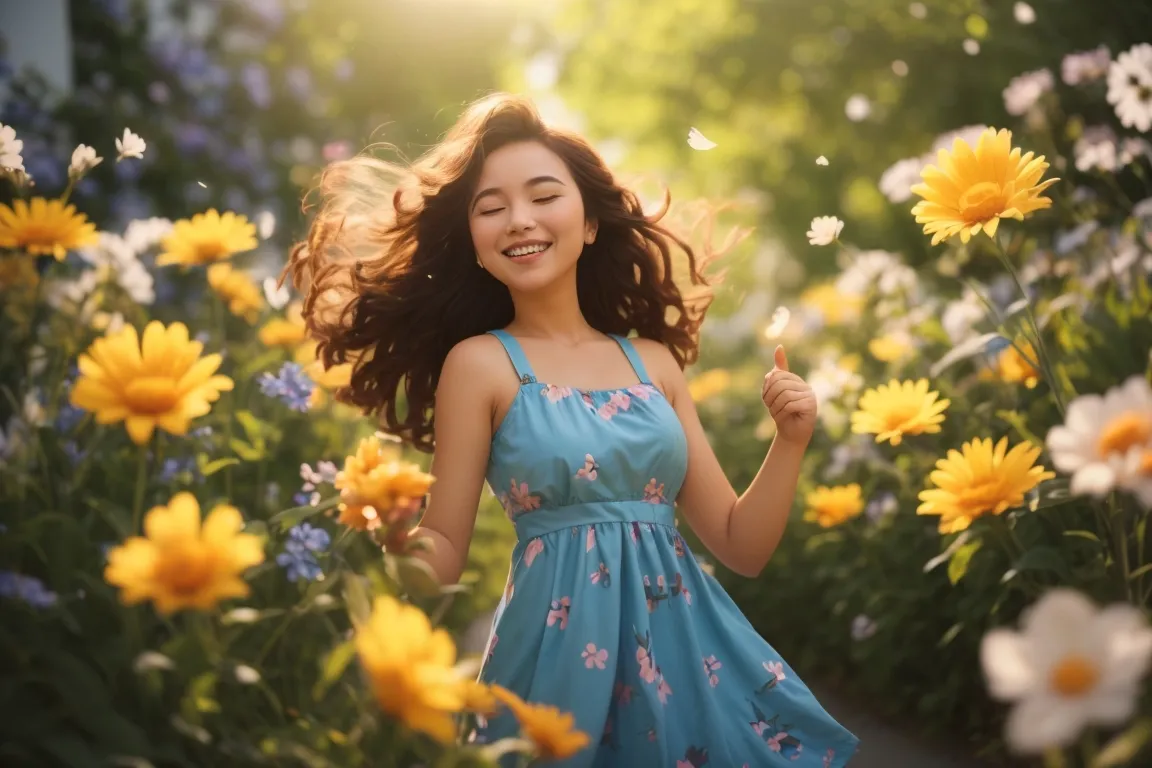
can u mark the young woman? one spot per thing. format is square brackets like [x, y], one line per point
[496, 282]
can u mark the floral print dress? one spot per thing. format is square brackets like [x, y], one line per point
[606, 612]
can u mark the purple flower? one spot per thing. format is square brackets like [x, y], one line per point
[174, 468]
[290, 385]
[298, 557]
[254, 78]
[26, 589]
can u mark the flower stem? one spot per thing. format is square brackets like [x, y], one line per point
[220, 311]
[1054, 758]
[141, 486]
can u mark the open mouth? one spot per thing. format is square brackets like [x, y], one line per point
[526, 252]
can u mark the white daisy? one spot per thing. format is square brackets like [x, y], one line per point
[130, 145]
[1096, 149]
[821, 160]
[10, 149]
[1130, 87]
[825, 230]
[84, 159]
[778, 323]
[1024, 91]
[1071, 666]
[1085, 66]
[896, 182]
[1106, 441]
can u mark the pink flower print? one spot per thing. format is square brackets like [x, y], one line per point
[663, 690]
[831, 753]
[534, 548]
[559, 612]
[556, 394]
[622, 693]
[651, 734]
[587, 398]
[654, 492]
[602, 576]
[710, 667]
[590, 539]
[684, 764]
[593, 657]
[647, 668]
[686, 595]
[774, 742]
[642, 391]
[776, 669]
[588, 471]
[621, 401]
[522, 500]
[607, 411]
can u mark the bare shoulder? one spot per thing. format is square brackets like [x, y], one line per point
[662, 366]
[479, 361]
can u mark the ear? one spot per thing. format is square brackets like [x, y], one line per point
[590, 228]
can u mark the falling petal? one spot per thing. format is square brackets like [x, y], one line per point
[277, 296]
[697, 140]
[202, 184]
[821, 160]
[779, 322]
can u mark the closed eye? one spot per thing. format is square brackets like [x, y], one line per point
[490, 211]
[548, 199]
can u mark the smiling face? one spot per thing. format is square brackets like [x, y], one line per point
[527, 217]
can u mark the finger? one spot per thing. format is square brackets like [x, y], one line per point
[799, 405]
[781, 358]
[777, 400]
[780, 387]
[776, 375]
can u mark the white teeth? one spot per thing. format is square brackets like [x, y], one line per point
[526, 250]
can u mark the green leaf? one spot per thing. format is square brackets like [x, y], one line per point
[958, 542]
[252, 426]
[1085, 535]
[291, 517]
[1043, 558]
[332, 667]
[1140, 571]
[958, 565]
[1019, 422]
[208, 468]
[1052, 493]
[259, 363]
[357, 597]
[820, 539]
[417, 577]
[1125, 747]
[950, 635]
[256, 528]
[246, 451]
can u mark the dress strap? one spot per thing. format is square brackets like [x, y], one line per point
[516, 355]
[633, 358]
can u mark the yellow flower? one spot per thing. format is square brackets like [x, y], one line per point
[180, 563]
[327, 379]
[980, 480]
[895, 409]
[17, 272]
[207, 237]
[834, 306]
[377, 489]
[1013, 367]
[479, 698]
[971, 190]
[287, 331]
[410, 666]
[551, 731]
[237, 289]
[44, 227]
[159, 381]
[829, 507]
[890, 347]
[709, 384]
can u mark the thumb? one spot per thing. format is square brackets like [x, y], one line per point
[781, 358]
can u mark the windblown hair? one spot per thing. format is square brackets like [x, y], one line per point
[389, 272]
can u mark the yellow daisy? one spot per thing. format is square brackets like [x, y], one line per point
[236, 289]
[327, 379]
[287, 331]
[179, 563]
[44, 227]
[971, 190]
[895, 409]
[376, 489]
[829, 507]
[832, 304]
[207, 237]
[981, 479]
[158, 381]
[410, 667]
[890, 347]
[1012, 366]
[709, 384]
[551, 731]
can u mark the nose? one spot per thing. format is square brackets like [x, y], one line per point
[520, 219]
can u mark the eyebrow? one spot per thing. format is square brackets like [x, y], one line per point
[530, 183]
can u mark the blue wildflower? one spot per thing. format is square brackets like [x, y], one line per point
[174, 468]
[290, 385]
[68, 417]
[298, 557]
[27, 589]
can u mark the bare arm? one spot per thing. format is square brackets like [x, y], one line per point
[463, 432]
[742, 532]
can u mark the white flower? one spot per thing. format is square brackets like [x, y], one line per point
[863, 628]
[149, 660]
[918, 10]
[1025, 90]
[265, 224]
[971, 46]
[277, 296]
[1070, 666]
[113, 256]
[1096, 149]
[1106, 441]
[246, 674]
[130, 145]
[697, 140]
[821, 160]
[960, 316]
[10, 149]
[1023, 13]
[778, 323]
[830, 379]
[1130, 87]
[142, 234]
[1085, 66]
[876, 268]
[84, 159]
[896, 182]
[241, 616]
[858, 108]
[825, 230]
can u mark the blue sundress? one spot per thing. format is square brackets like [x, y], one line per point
[608, 615]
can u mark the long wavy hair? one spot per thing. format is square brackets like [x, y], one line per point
[389, 275]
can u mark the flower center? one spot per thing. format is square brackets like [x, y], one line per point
[151, 394]
[187, 570]
[982, 201]
[981, 497]
[1074, 675]
[900, 414]
[1124, 432]
[39, 234]
[211, 250]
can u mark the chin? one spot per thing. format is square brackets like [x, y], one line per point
[534, 277]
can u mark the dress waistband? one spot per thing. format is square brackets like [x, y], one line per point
[538, 522]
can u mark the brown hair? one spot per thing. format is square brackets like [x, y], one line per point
[390, 277]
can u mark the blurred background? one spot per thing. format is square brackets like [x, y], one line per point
[803, 109]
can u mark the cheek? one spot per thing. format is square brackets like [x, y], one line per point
[484, 229]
